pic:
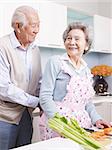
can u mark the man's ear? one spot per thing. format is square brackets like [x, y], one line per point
[17, 27]
[18, 30]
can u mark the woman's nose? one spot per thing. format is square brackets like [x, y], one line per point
[73, 41]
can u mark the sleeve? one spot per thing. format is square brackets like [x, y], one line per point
[90, 108]
[40, 74]
[47, 87]
[8, 91]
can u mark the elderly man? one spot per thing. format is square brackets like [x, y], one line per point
[20, 75]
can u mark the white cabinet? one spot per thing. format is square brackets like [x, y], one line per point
[102, 34]
[6, 10]
[104, 107]
[53, 22]
[111, 111]
[102, 110]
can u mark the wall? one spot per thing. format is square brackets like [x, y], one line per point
[46, 53]
[99, 58]
[107, 59]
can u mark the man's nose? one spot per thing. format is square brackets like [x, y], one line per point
[36, 30]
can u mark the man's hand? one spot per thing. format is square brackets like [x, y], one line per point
[41, 111]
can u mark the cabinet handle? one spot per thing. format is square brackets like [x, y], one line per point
[54, 45]
[97, 104]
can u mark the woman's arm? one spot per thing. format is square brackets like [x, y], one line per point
[90, 108]
[95, 117]
[47, 86]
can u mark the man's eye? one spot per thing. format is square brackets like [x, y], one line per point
[33, 25]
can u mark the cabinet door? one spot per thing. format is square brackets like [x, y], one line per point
[100, 107]
[102, 34]
[104, 110]
[111, 112]
[53, 21]
[108, 111]
[6, 11]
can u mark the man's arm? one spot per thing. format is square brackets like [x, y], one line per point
[10, 92]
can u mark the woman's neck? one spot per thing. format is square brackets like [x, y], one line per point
[76, 61]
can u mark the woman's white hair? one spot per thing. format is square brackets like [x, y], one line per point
[82, 26]
[20, 15]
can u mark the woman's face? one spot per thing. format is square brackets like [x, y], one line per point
[75, 43]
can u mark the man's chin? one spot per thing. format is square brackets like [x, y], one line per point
[32, 40]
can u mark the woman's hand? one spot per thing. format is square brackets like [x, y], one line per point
[102, 124]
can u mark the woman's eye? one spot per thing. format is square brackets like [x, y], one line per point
[69, 38]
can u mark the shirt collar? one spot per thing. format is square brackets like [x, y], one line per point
[15, 43]
[66, 58]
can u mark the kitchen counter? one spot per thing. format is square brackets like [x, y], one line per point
[56, 144]
[101, 99]
[52, 144]
[96, 99]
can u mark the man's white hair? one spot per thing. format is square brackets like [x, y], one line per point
[20, 15]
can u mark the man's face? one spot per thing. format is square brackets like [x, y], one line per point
[29, 31]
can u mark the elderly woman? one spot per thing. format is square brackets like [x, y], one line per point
[67, 82]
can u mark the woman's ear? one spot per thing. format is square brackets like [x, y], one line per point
[86, 48]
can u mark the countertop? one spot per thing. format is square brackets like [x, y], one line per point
[52, 144]
[56, 144]
[96, 99]
[101, 99]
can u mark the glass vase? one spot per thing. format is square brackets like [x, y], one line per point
[100, 85]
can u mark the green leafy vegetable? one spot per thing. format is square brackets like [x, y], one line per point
[71, 129]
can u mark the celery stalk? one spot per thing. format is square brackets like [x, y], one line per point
[71, 129]
[66, 133]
